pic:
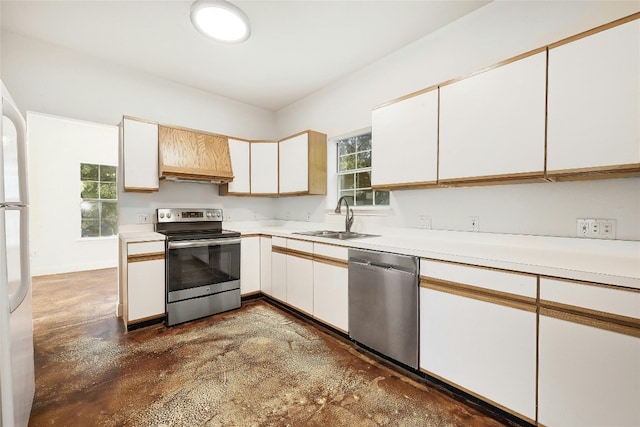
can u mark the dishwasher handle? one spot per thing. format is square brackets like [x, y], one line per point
[374, 265]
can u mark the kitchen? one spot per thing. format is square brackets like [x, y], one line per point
[336, 110]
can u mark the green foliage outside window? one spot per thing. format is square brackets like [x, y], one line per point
[99, 206]
[354, 172]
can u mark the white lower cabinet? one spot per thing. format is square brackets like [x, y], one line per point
[478, 333]
[300, 275]
[589, 370]
[143, 279]
[249, 265]
[330, 285]
[265, 265]
[279, 268]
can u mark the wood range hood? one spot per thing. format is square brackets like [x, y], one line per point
[193, 156]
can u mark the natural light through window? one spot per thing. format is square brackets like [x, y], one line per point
[99, 206]
[354, 172]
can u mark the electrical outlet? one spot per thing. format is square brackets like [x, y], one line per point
[424, 221]
[143, 218]
[595, 228]
[474, 223]
[308, 216]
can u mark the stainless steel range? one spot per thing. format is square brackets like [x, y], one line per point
[202, 263]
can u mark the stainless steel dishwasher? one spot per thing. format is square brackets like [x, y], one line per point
[383, 303]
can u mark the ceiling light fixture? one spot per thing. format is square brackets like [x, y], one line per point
[220, 20]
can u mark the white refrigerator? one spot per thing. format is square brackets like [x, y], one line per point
[17, 383]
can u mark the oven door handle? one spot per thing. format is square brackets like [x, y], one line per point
[202, 243]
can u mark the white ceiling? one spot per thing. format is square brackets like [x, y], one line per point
[296, 46]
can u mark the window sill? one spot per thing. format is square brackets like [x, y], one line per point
[366, 211]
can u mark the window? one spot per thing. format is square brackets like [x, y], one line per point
[354, 172]
[99, 206]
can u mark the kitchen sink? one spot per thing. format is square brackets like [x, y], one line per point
[331, 234]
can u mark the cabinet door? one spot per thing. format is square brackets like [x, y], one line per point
[250, 265]
[478, 332]
[145, 286]
[279, 268]
[294, 164]
[589, 369]
[239, 151]
[406, 133]
[140, 155]
[331, 285]
[594, 102]
[492, 124]
[264, 168]
[300, 275]
[265, 265]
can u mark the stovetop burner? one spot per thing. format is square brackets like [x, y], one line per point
[198, 234]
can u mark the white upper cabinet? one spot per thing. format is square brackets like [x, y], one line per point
[492, 125]
[594, 103]
[140, 155]
[264, 168]
[294, 155]
[240, 160]
[303, 164]
[405, 142]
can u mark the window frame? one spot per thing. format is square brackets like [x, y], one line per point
[99, 201]
[371, 208]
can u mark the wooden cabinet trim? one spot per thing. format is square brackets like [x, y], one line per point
[331, 261]
[299, 254]
[585, 283]
[482, 294]
[631, 169]
[492, 179]
[594, 318]
[477, 266]
[141, 189]
[399, 186]
[278, 249]
[248, 236]
[146, 257]
[595, 30]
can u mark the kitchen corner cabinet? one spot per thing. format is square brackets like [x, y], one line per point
[589, 367]
[302, 163]
[594, 104]
[188, 154]
[139, 145]
[249, 265]
[299, 275]
[279, 268]
[142, 282]
[265, 264]
[240, 163]
[264, 168]
[492, 124]
[405, 133]
[478, 333]
[331, 285]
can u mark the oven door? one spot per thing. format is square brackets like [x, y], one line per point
[202, 267]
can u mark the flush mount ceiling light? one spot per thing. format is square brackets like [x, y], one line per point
[220, 21]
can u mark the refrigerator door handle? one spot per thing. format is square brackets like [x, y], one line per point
[16, 298]
[10, 111]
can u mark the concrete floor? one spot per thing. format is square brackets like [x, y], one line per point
[256, 366]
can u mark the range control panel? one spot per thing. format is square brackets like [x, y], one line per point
[189, 215]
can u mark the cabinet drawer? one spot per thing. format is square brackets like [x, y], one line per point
[330, 251]
[145, 248]
[300, 245]
[606, 299]
[514, 283]
[279, 241]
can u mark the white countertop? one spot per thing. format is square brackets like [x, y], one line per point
[141, 236]
[613, 262]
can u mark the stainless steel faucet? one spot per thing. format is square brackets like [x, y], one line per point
[348, 220]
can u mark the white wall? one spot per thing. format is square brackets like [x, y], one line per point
[495, 32]
[54, 80]
[57, 146]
